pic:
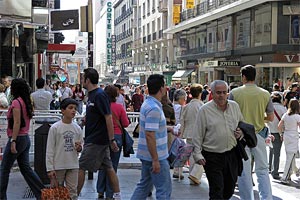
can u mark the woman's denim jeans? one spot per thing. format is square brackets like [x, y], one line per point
[103, 184]
[161, 181]
[32, 179]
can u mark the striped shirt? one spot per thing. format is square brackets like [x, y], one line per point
[152, 118]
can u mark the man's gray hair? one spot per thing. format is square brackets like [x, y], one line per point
[178, 94]
[214, 84]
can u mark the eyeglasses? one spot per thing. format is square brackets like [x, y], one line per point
[221, 92]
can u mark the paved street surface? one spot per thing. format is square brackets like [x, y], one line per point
[129, 175]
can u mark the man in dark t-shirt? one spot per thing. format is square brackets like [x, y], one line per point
[99, 134]
[293, 94]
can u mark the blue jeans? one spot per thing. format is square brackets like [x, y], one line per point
[103, 184]
[262, 172]
[161, 181]
[32, 179]
[79, 106]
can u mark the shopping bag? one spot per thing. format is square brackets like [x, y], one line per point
[179, 152]
[55, 192]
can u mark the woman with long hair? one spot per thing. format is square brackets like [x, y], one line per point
[17, 148]
[291, 122]
[78, 95]
[56, 97]
[119, 117]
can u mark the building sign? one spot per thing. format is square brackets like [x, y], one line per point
[113, 50]
[213, 63]
[229, 63]
[64, 20]
[176, 13]
[288, 58]
[108, 33]
[190, 4]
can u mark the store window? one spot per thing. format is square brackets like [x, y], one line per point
[242, 36]
[224, 34]
[295, 30]
[263, 27]
[212, 37]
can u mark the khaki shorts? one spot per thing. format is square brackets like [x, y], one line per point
[95, 157]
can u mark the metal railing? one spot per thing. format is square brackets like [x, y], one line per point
[45, 116]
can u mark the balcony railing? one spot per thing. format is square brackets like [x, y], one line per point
[204, 7]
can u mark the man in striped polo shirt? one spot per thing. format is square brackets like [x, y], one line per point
[153, 144]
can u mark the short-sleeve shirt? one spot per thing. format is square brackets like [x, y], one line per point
[97, 107]
[153, 119]
[16, 104]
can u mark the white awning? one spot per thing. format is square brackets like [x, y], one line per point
[277, 65]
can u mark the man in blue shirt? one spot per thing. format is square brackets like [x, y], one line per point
[153, 144]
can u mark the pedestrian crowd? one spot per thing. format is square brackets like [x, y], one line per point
[208, 118]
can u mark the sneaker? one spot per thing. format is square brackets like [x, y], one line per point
[194, 180]
[100, 196]
[284, 181]
[177, 176]
[276, 177]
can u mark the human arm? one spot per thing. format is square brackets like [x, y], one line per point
[110, 130]
[198, 136]
[50, 151]
[16, 128]
[269, 111]
[151, 144]
[124, 118]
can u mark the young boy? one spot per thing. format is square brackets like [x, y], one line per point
[63, 146]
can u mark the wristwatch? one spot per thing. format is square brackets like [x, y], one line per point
[12, 140]
[112, 140]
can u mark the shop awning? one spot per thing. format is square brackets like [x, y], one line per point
[277, 65]
[182, 73]
[61, 48]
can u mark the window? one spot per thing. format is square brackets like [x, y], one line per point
[262, 28]
[212, 37]
[242, 36]
[225, 34]
[295, 30]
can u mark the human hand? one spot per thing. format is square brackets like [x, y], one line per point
[155, 167]
[238, 133]
[52, 174]
[114, 146]
[78, 146]
[13, 148]
[201, 162]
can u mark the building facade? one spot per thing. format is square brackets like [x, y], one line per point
[217, 37]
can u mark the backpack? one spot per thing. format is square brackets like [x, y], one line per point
[179, 153]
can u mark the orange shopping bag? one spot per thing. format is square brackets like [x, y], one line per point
[55, 192]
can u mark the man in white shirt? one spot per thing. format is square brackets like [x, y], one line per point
[126, 88]
[65, 91]
[41, 98]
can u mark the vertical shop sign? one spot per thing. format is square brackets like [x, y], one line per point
[190, 4]
[113, 50]
[108, 34]
[176, 13]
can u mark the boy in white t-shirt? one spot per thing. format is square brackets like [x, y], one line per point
[63, 145]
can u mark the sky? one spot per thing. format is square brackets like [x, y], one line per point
[69, 5]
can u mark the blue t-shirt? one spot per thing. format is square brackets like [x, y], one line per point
[152, 118]
[97, 107]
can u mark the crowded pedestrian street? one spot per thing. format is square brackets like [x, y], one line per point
[129, 173]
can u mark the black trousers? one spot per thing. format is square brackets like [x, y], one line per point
[221, 171]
